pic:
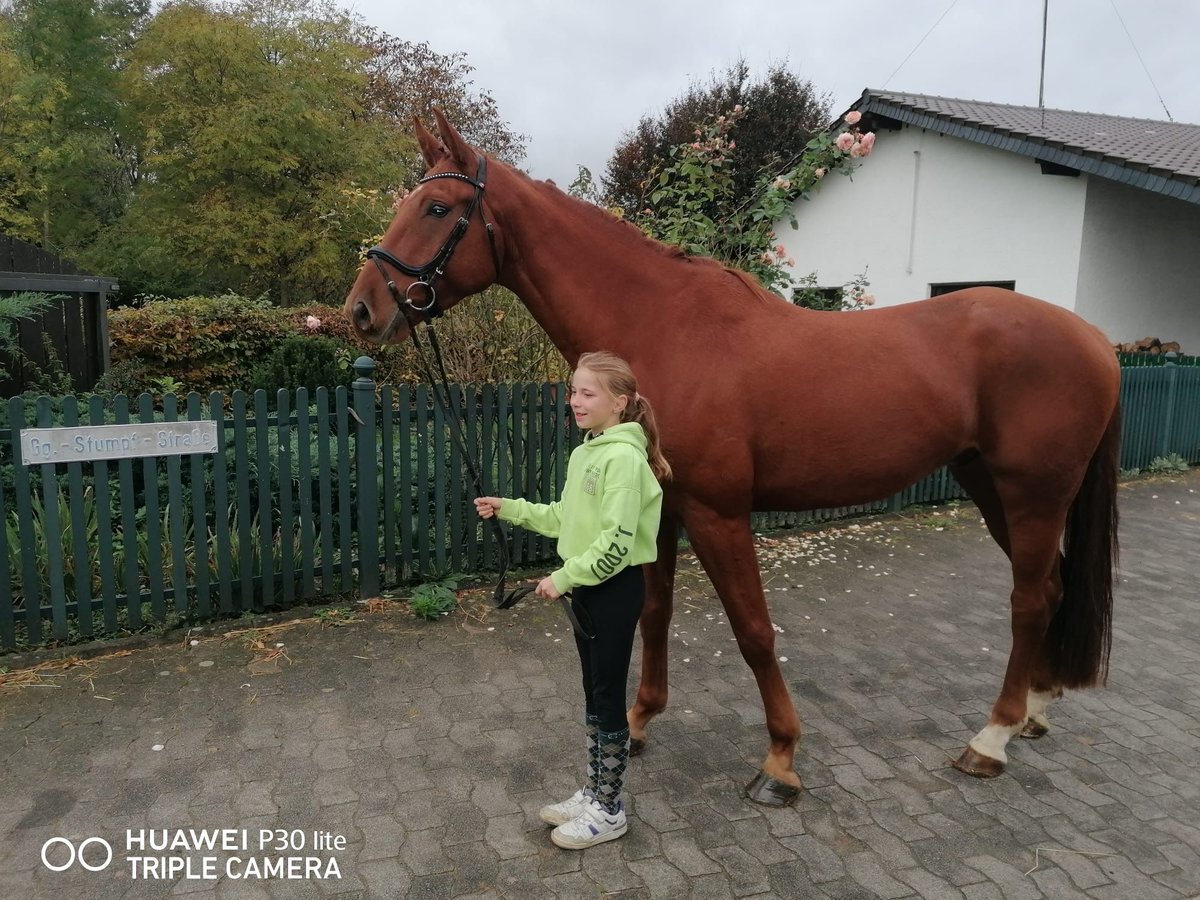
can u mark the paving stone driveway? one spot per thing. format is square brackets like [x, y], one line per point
[418, 754]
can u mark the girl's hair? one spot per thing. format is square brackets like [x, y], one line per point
[618, 379]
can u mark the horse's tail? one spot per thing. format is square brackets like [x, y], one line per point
[1080, 634]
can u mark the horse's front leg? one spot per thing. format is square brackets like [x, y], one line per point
[656, 619]
[725, 547]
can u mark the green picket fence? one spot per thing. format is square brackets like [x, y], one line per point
[335, 492]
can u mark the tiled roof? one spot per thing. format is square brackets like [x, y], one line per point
[1155, 155]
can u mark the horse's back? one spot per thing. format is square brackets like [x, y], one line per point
[885, 396]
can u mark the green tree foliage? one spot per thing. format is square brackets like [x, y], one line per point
[782, 113]
[261, 170]
[12, 308]
[65, 172]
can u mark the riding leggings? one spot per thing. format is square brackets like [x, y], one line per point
[613, 606]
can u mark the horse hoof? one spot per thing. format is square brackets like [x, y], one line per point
[636, 746]
[771, 791]
[975, 763]
[1034, 730]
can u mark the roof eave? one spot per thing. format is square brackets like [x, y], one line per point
[1025, 146]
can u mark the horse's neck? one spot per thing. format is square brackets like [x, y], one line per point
[587, 281]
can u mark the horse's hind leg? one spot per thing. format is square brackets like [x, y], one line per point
[1037, 589]
[972, 474]
[725, 548]
[656, 619]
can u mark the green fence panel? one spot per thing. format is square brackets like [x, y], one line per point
[438, 446]
[387, 479]
[176, 537]
[52, 531]
[198, 483]
[422, 444]
[304, 488]
[325, 473]
[8, 621]
[405, 447]
[81, 512]
[366, 470]
[104, 492]
[222, 534]
[345, 489]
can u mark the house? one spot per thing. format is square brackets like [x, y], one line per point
[1100, 214]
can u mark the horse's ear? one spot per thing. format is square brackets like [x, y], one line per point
[431, 147]
[462, 152]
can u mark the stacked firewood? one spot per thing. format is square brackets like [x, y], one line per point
[1150, 345]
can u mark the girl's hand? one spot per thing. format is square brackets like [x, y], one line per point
[546, 589]
[487, 506]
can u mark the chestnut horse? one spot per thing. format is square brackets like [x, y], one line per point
[1018, 396]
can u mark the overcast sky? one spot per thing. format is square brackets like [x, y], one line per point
[574, 76]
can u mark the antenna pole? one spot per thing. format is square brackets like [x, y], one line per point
[1042, 76]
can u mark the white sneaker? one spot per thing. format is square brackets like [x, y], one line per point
[592, 826]
[561, 813]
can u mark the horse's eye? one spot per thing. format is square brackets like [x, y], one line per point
[439, 209]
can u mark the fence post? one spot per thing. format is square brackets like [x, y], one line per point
[1169, 418]
[365, 477]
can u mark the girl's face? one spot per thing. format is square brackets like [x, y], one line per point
[594, 407]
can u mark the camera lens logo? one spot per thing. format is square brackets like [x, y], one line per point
[75, 853]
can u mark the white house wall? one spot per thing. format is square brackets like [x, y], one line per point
[1139, 267]
[981, 215]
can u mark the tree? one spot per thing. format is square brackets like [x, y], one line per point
[408, 79]
[65, 174]
[261, 169]
[782, 113]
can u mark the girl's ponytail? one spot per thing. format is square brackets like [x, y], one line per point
[640, 411]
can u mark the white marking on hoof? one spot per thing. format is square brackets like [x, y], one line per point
[1037, 702]
[993, 739]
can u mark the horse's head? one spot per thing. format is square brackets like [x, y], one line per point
[440, 247]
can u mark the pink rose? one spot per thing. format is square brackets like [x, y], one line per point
[853, 116]
[818, 173]
[867, 299]
[868, 141]
[857, 150]
[313, 323]
[844, 141]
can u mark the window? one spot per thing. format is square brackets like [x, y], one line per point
[936, 290]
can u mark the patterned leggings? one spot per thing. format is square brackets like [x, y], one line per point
[613, 607]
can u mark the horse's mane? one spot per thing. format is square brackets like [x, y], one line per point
[641, 239]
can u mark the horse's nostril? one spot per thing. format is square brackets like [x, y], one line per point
[362, 315]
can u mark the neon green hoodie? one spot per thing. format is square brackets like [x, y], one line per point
[607, 517]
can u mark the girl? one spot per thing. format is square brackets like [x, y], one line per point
[607, 525]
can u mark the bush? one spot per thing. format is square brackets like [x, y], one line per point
[1168, 465]
[205, 343]
[303, 361]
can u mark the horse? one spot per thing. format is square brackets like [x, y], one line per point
[1019, 397]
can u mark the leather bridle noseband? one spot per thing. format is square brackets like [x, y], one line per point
[431, 271]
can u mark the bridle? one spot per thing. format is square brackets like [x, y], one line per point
[431, 271]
